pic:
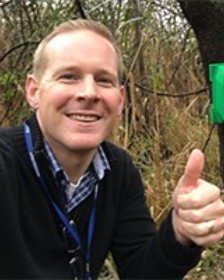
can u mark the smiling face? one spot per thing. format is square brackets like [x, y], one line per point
[78, 97]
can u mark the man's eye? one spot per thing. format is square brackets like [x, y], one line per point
[105, 81]
[69, 77]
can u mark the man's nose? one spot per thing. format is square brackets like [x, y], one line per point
[88, 90]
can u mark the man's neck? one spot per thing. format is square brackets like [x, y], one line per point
[74, 163]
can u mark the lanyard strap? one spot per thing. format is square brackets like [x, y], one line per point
[63, 218]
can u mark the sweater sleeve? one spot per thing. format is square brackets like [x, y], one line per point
[140, 251]
[174, 250]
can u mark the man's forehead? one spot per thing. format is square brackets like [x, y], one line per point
[84, 42]
[77, 36]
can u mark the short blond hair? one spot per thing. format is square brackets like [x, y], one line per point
[40, 58]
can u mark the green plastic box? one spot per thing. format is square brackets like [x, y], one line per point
[216, 77]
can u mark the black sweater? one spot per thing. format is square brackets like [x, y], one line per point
[31, 240]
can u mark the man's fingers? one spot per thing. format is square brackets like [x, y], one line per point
[193, 169]
[197, 211]
[200, 197]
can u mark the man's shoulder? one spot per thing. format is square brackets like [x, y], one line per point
[9, 136]
[116, 153]
[5, 134]
[113, 149]
[10, 131]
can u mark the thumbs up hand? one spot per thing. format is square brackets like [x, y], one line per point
[198, 211]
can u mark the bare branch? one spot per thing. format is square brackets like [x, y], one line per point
[15, 48]
[196, 92]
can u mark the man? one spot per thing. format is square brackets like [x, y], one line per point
[68, 196]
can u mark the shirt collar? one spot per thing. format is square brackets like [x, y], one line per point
[100, 162]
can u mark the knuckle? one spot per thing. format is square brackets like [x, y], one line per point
[196, 216]
[218, 191]
[202, 231]
[199, 241]
[222, 205]
[196, 230]
[222, 210]
[221, 235]
[195, 201]
[179, 201]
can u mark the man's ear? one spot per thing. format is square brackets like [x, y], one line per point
[122, 101]
[32, 92]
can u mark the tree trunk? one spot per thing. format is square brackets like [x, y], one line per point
[206, 18]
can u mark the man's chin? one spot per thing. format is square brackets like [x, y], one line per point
[85, 146]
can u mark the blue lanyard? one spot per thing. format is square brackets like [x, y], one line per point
[64, 219]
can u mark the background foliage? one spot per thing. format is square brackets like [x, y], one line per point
[166, 112]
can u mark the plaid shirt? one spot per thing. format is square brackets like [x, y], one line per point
[75, 194]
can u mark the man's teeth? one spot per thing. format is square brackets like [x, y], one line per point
[84, 118]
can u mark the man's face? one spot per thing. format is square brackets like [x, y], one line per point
[78, 97]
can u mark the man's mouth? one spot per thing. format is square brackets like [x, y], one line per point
[84, 118]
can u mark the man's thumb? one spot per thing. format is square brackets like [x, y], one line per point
[193, 169]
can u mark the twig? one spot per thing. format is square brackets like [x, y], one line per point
[195, 92]
[208, 138]
[15, 48]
